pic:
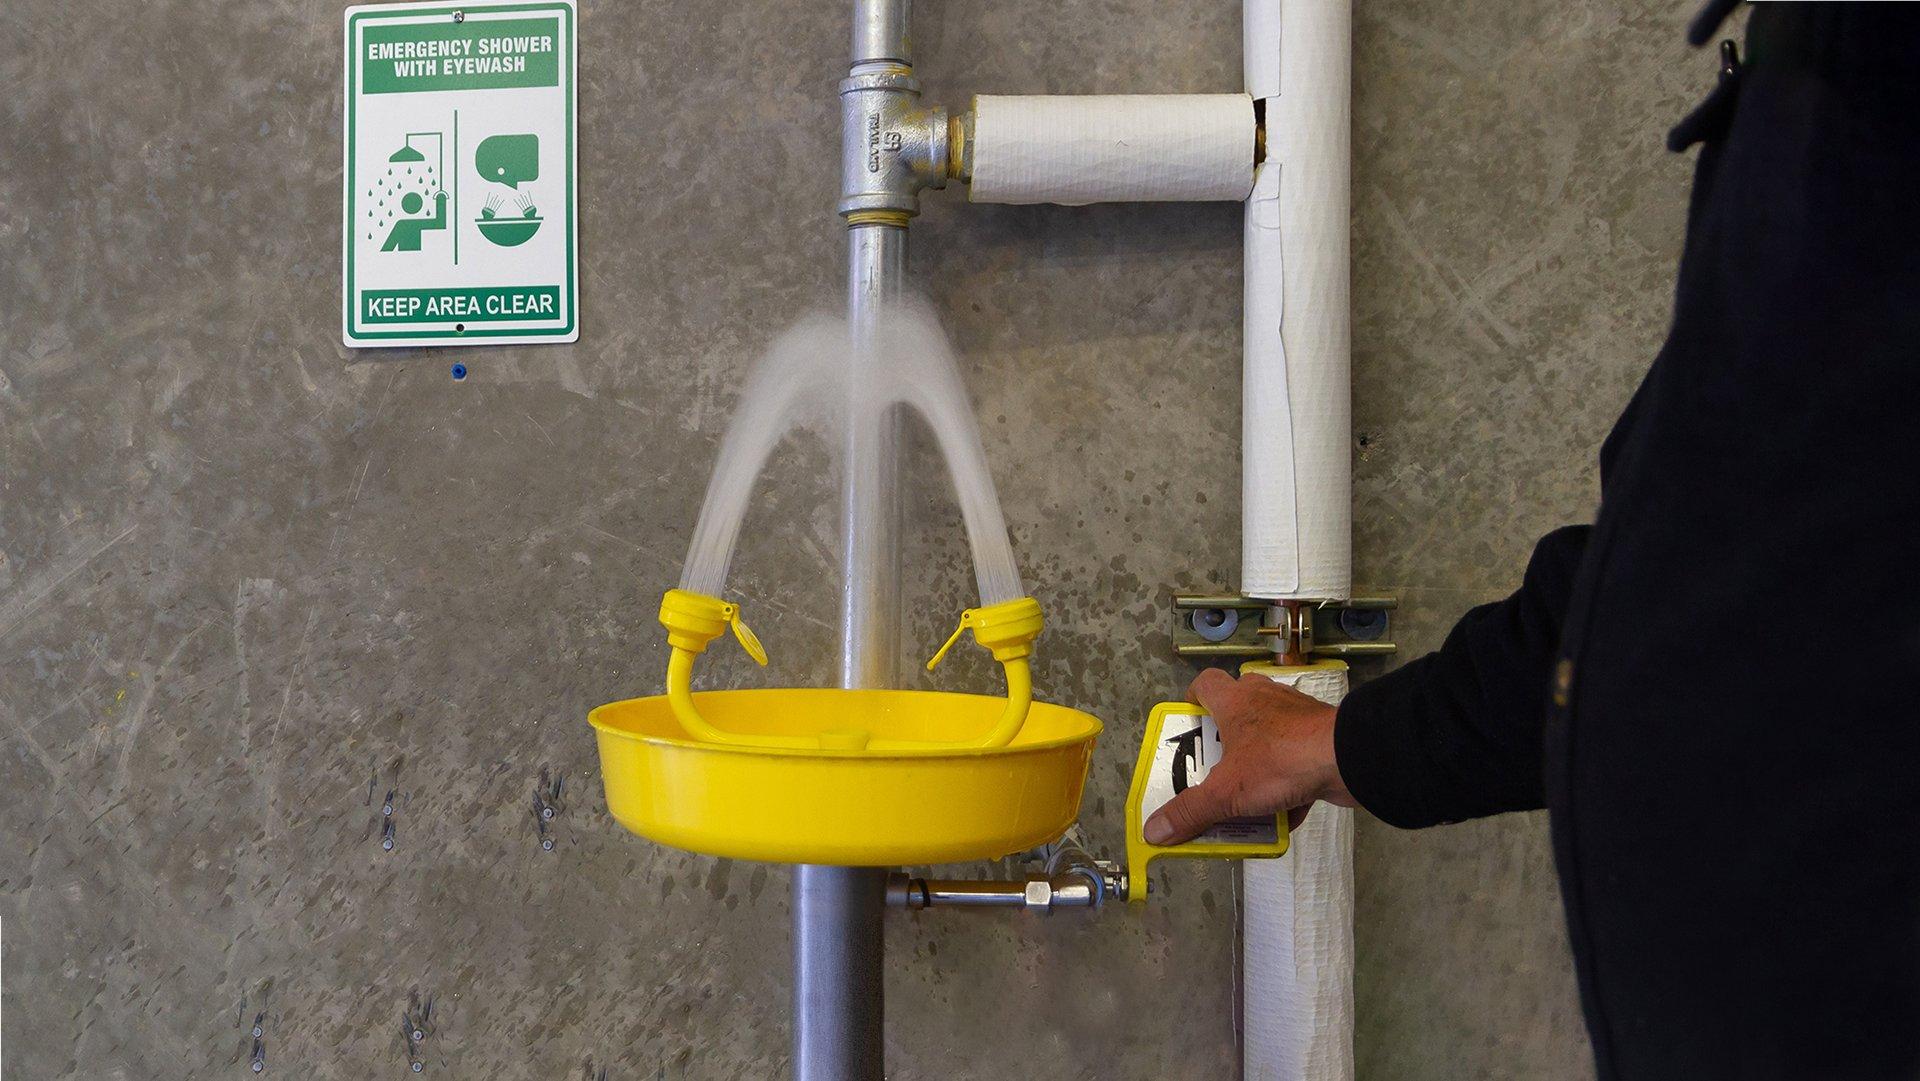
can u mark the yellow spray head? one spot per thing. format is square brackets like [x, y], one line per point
[1007, 629]
[694, 619]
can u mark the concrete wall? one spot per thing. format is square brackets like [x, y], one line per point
[250, 581]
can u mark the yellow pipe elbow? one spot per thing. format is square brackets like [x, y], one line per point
[680, 698]
[1019, 701]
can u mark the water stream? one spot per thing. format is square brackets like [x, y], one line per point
[805, 381]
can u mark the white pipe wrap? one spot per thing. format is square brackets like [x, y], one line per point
[1296, 500]
[1118, 148]
[1296, 478]
[1297, 937]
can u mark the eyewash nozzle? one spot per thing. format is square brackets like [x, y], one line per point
[694, 619]
[1007, 629]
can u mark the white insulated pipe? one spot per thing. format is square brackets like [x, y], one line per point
[1112, 148]
[1296, 505]
[1296, 413]
[1296, 935]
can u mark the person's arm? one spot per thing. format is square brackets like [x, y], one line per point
[1455, 734]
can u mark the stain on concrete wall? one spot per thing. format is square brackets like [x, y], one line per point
[297, 643]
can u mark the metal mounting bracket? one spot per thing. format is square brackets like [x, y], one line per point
[1228, 625]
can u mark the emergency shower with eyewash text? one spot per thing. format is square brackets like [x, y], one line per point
[817, 777]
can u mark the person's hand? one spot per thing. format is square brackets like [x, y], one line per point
[1276, 755]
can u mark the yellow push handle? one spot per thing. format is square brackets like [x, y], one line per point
[693, 620]
[1238, 838]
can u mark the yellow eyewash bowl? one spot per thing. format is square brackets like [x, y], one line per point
[867, 808]
[849, 777]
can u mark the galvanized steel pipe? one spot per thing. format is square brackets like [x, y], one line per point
[838, 948]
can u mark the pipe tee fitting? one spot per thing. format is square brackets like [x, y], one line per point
[892, 146]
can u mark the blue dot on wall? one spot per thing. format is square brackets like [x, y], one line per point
[459, 372]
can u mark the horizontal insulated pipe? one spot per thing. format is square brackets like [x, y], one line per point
[1112, 148]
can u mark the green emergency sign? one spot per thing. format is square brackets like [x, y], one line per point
[459, 218]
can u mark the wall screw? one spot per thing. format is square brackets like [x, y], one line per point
[546, 844]
[459, 16]
[256, 1032]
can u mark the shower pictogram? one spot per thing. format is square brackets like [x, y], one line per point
[398, 198]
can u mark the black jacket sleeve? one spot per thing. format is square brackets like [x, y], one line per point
[1458, 733]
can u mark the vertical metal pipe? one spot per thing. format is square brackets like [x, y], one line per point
[837, 979]
[870, 498]
[837, 945]
[880, 31]
[838, 948]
